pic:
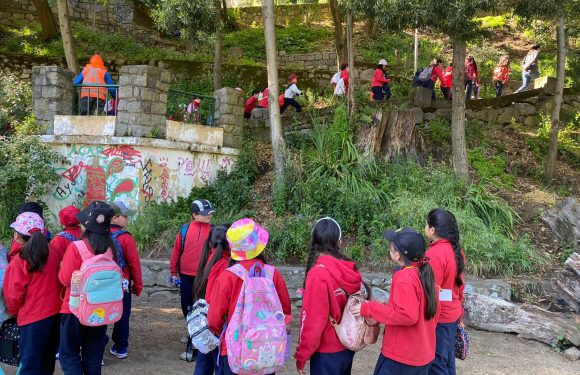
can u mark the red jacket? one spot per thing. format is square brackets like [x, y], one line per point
[59, 243]
[216, 270]
[224, 296]
[132, 271]
[409, 338]
[442, 259]
[196, 235]
[437, 73]
[251, 103]
[501, 73]
[344, 74]
[447, 77]
[324, 296]
[379, 78]
[34, 296]
[263, 103]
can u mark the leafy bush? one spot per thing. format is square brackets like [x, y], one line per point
[490, 168]
[15, 102]
[290, 240]
[568, 140]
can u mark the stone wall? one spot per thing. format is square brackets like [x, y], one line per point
[229, 115]
[122, 16]
[51, 94]
[319, 61]
[287, 14]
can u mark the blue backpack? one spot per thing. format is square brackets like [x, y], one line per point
[68, 236]
[184, 229]
[120, 258]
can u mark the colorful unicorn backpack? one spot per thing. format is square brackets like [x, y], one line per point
[256, 336]
[96, 293]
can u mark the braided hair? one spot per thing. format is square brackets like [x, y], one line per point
[445, 226]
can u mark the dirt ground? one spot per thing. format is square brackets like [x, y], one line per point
[155, 349]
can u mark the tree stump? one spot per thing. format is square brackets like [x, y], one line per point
[370, 137]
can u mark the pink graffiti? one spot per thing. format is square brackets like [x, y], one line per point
[163, 162]
[164, 185]
[186, 166]
[226, 163]
[204, 170]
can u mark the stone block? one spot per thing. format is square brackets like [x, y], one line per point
[422, 97]
[138, 131]
[507, 115]
[572, 353]
[418, 114]
[84, 125]
[125, 91]
[444, 113]
[525, 109]
[148, 94]
[193, 133]
[494, 288]
[488, 115]
[366, 75]
[549, 84]
[428, 116]
[531, 121]
[121, 129]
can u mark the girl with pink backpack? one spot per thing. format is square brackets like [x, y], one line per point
[250, 307]
[330, 278]
[83, 335]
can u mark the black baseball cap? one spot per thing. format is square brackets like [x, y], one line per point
[202, 207]
[97, 217]
[408, 242]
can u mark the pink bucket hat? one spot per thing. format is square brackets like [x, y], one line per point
[27, 223]
[247, 239]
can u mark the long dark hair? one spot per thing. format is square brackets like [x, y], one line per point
[471, 59]
[427, 281]
[100, 243]
[445, 226]
[217, 240]
[35, 251]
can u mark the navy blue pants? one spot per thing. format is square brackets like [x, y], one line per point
[121, 328]
[386, 366]
[224, 367]
[291, 102]
[38, 346]
[444, 363]
[205, 364]
[430, 84]
[186, 290]
[339, 363]
[73, 337]
[378, 93]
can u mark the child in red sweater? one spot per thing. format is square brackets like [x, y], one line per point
[214, 261]
[379, 80]
[247, 241]
[448, 262]
[33, 207]
[187, 251]
[128, 259]
[501, 74]
[251, 103]
[81, 347]
[330, 278]
[71, 232]
[32, 294]
[410, 316]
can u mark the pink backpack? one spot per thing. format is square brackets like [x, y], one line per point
[256, 335]
[96, 292]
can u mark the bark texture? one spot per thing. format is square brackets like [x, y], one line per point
[350, 53]
[67, 36]
[458, 142]
[46, 18]
[339, 37]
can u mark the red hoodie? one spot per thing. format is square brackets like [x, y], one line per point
[324, 296]
[447, 77]
[379, 78]
[409, 338]
[442, 260]
[217, 269]
[195, 238]
[34, 296]
[437, 73]
[132, 271]
[263, 103]
[344, 74]
[251, 103]
[68, 219]
[224, 296]
[501, 73]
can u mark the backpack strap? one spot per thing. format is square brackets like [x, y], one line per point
[120, 258]
[240, 271]
[83, 250]
[67, 236]
[183, 233]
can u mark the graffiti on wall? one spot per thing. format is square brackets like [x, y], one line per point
[132, 174]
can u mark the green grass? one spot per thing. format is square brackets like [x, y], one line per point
[492, 22]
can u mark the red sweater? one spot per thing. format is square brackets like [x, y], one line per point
[344, 74]
[15, 248]
[324, 296]
[379, 78]
[501, 73]
[447, 77]
[132, 271]
[408, 337]
[224, 296]
[437, 73]
[217, 269]
[32, 296]
[196, 235]
[442, 259]
[263, 103]
[59, 243]
[251, 103]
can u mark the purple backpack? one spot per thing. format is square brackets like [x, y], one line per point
[256, 336]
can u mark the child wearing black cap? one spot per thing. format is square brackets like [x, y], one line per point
[410, 315]
[187, 251]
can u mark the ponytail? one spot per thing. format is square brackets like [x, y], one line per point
[35, 251]
[445, 226]
[217, 240]
[428, 282]
[100, 243]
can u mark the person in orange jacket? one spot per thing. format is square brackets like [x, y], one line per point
[94, 98]
[501, 74]
[71, 232]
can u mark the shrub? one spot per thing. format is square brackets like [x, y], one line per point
[290, 240]
[568, 140]
[15, 102]
[490, 168]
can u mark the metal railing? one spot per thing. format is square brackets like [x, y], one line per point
[95, 100]
[183, 106]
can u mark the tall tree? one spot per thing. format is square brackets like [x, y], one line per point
[217, 61]
[278, 146]
[458, 23]
[67, 37]
[46, 18]
[339, 37]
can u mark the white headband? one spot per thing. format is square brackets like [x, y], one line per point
[331, 219]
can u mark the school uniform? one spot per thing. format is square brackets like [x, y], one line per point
[185, 263]
[447, 82]
[251, 103]
[377, 83]
[34, 298]
[16, 248]
[442, 260]
[327, 284]
[409, 339]
[131, 273]
[500, 78]
[263, 102]
[224, 296]
[81, 347]
[60, 243]
[290, 98]
[436, 74]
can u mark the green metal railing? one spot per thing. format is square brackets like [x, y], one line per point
[179, 101]
[93, 99]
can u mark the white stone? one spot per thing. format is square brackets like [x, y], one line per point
[84, 125]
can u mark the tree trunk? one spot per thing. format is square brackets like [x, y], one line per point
[278, 147]
[402, 137]
[217, 53]
[458, 143]
[370, 137]
[350, 50]
[371, 26]
[46, 19]
[339, 37]
[555, 118]
[67, 37]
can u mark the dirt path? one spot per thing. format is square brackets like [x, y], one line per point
[155, 348]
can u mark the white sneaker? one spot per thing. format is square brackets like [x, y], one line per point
[187, 355]
[183, 340]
